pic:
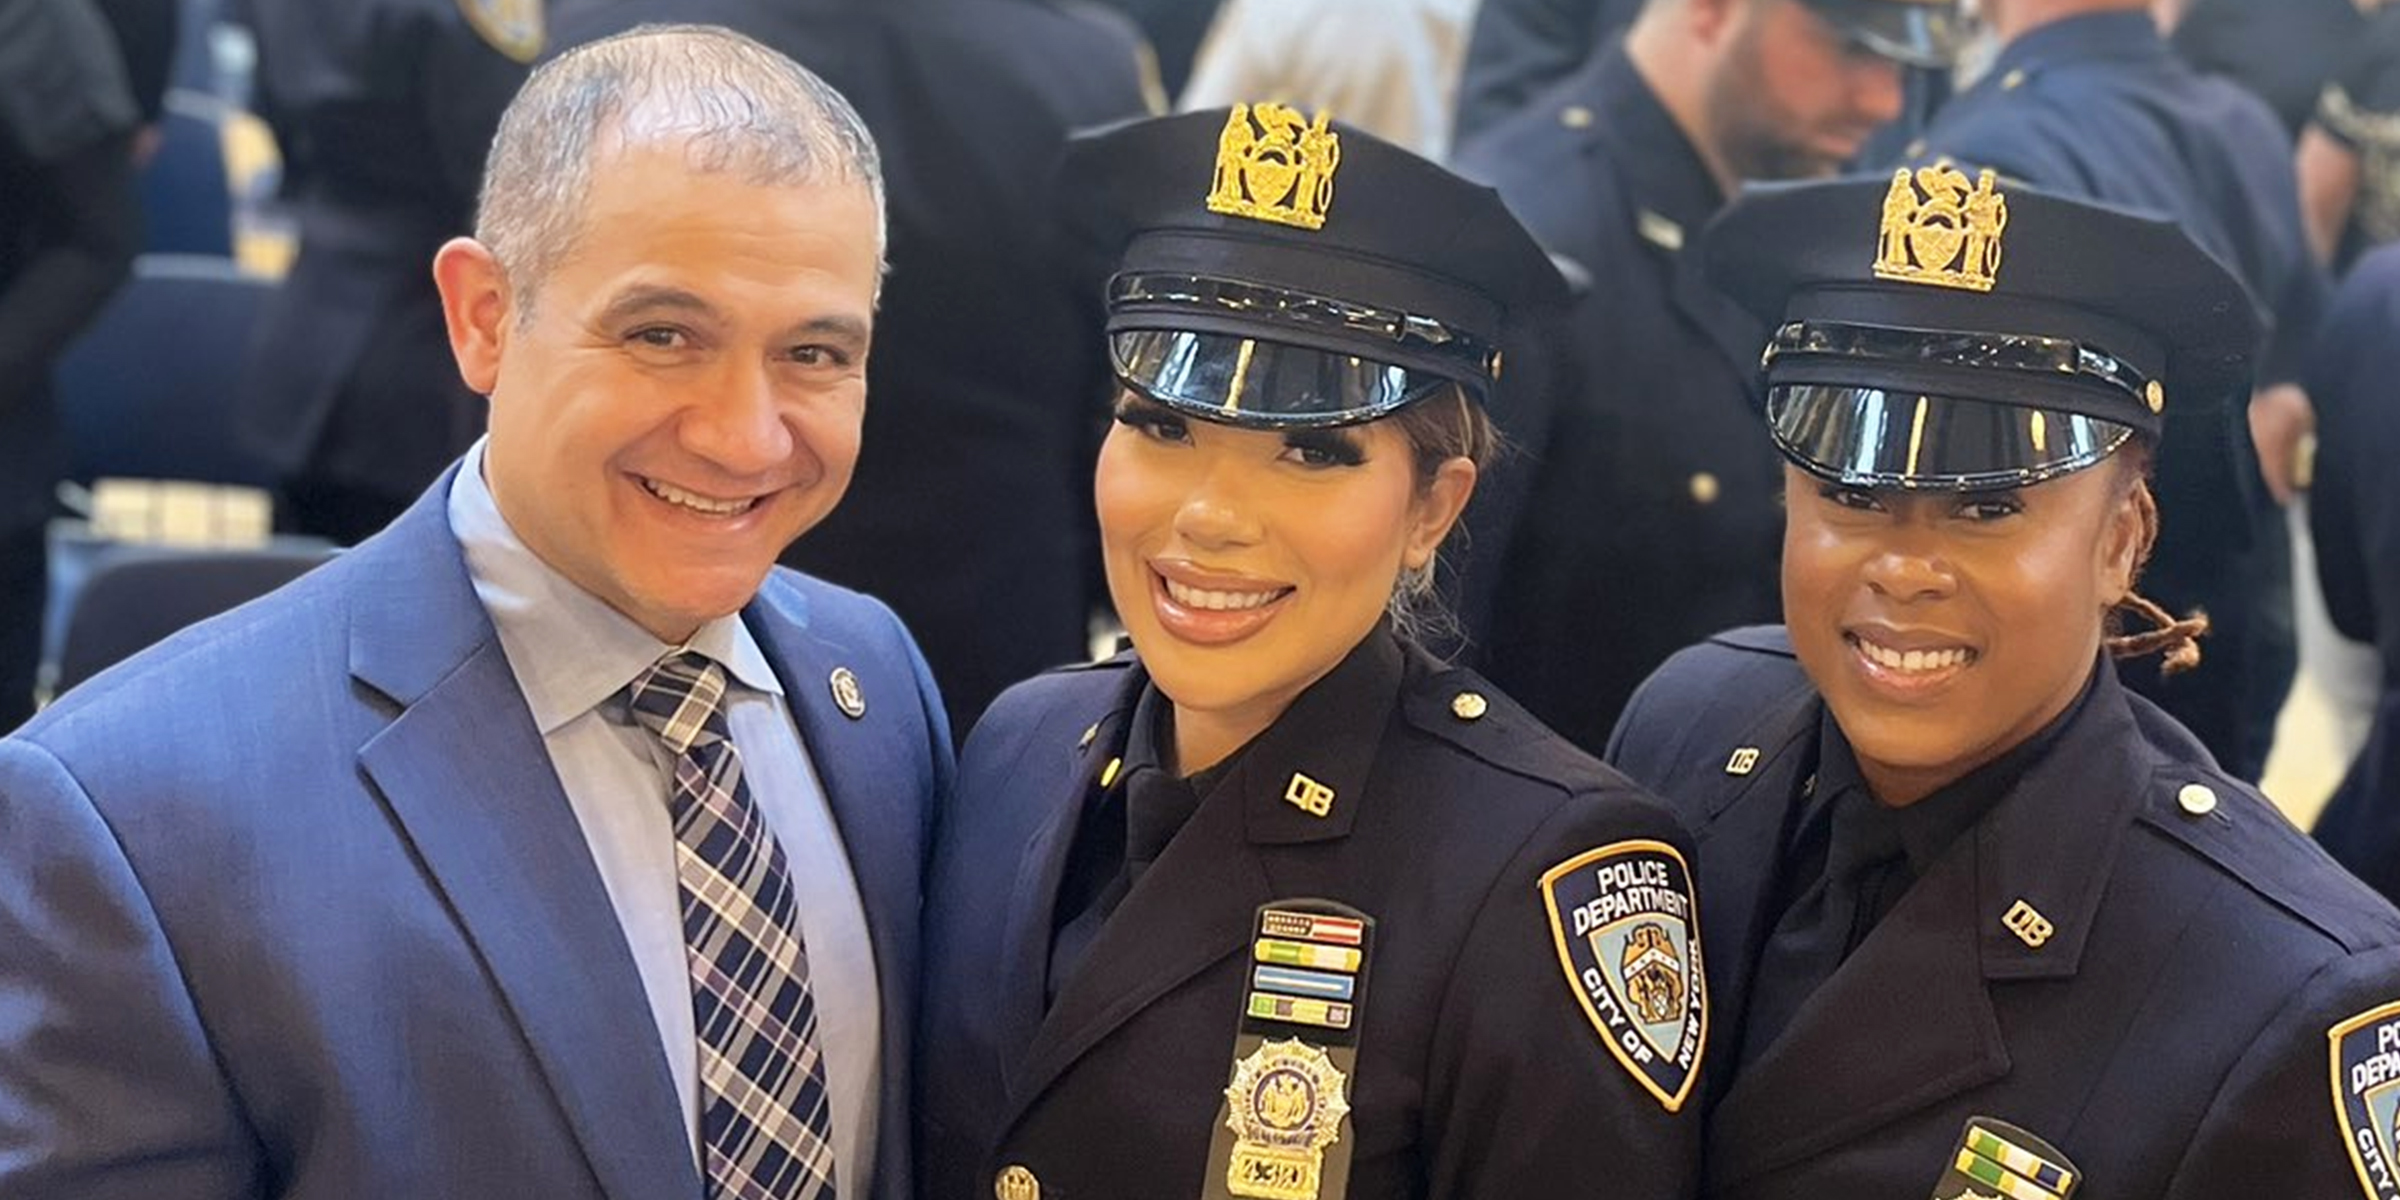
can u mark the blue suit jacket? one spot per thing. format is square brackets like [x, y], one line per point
[293, 904]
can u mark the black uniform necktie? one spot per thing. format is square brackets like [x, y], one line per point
[1860, 850]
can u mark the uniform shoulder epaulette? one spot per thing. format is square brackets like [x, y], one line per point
[1757, 639]
[1464, 709]
[2232, 825]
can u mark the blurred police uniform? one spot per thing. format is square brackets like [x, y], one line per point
[2281, 50]
[2098, 105]
[1641, 514]
[970, 510]
[1520, 49]
[383, 110]
[2096, 964]
[2359, 109]
[1093, 918]
[2354, 513]
[69, 229]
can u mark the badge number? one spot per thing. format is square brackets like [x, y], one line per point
[1627, 932]
[2366, 1096]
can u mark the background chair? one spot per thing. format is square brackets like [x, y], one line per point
[148, 390]
[187, 193]
[138, 595]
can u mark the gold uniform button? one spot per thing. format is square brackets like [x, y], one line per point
[1469, 706]
[2197, 799]
[1705, 488]
[1016, 1183]
[1575, 116]
[2013, 80]
[1087, 737]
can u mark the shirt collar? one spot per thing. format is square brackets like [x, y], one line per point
[1931, 825]
[570, 651]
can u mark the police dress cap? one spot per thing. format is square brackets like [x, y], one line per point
[1938, 332]
[1278, 272]
[1919, 33]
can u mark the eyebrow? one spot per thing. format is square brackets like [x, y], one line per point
[645, 298]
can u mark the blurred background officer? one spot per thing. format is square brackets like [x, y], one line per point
[146, 32]
[1647, 507]
[69, 228]
[1304, 326]
[2354, 512]
[1980, 920]
[1519, 49]
[2280, 50]
[1389, 67]
[1174, 30]
[2349, 157]
[382, 110]
[2087, 98]
[970, 513]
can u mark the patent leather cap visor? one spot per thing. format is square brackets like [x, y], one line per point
[1876, 438]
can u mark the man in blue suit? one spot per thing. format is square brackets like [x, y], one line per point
[553, 843]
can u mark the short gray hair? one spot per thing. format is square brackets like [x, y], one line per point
[734, 104]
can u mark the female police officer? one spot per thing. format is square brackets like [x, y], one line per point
[1277, 906]
[1983, 923]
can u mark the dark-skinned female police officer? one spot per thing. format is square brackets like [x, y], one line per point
[1984, 923]
[1276, 905]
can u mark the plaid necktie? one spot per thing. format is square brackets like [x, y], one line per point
[765, 1118]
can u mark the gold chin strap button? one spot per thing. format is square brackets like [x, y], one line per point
[2197, 799]
[1469, 706]
[1016, 1183]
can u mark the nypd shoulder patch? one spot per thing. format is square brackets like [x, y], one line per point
[1627, 927]
[2366, 1096]
[513, 27]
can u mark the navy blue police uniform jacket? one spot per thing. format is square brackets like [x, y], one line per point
[2354, 512]
[1645, 515]
[1479, 1072]
[2169, 1034]
[2099, 106]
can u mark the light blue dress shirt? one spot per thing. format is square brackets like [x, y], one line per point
[573, 656]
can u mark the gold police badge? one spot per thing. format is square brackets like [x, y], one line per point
[1285, 1106]
[1273, 165]
[1937, 230]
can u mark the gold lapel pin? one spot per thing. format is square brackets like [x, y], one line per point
[846, 695]
[1744, 761]
[2030, 926]
[1308, 795]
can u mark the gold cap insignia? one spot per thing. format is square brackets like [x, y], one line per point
[1285, 1106]
[1938, 231]
[1273, 165]
[843, 683]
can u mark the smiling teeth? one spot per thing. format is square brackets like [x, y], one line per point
[695, 501]
[1192, 597]
[1913, 660]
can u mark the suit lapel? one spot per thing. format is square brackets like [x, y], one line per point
[1829, 1078]
[1032, 904]
[1192, 908]
[1746, 825]
[463, 771]
[858, 764]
